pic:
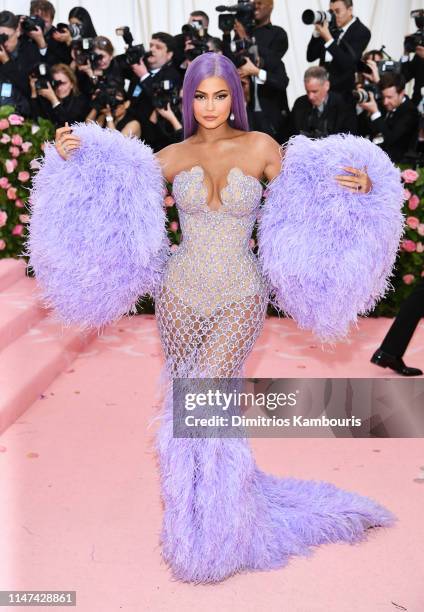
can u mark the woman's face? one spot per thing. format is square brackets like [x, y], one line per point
[65, 88]
[212, 102]
[12, 41]
[121, 109]
[104, 61]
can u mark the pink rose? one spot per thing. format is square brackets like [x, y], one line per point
[23, 176]
[4, 124]
[414, 201]
[406, 194]
[420, 229]
[5, 139]
[2, 245]
[17, 140]
[252, 243]
[420, 247]
[19, 203]
[9, 166]
[4, 183]
[24, 218]
[15, 119]
[409, 176]
[34, 164]
[26, 146]
[3, 218]
[17, 230]
[14, 163]
[409, 246]
[408, 279]
[11, 193]
[169, 201]
[412, 222]
[14, 151]
[173, 226]
[174, 247]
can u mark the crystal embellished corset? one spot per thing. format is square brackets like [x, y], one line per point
[214, 264]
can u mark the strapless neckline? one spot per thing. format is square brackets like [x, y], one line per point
[226, 186]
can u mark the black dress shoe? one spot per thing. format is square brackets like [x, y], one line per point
[385, 360]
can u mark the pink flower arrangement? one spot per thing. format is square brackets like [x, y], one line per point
[24, 218]
[406, 194]
[14, 151]
[409, 246]
[5, 139]
[34, 164]
[169, 201]
[4, 124]
[18, 230]
[2, 244]
[414, 201]
[9, 166]
[409, 176]
[413, 222]
[24, 176]
[3, 218]
[252, 243]
[420, 247]
[408, 279]
[15, 119]
[19, 203]
[173, 226]
[4, 182]
[26, 146]
[17, 140]
[11, 193]
[174, 247]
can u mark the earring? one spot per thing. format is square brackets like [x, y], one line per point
[232, 117]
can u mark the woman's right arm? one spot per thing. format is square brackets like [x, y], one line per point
[65, 142]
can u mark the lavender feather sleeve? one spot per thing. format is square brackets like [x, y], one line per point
[97, 238]
[327, 252]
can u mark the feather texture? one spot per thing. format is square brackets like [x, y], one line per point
[327, 252]
[97, 238]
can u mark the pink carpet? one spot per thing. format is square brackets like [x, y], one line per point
[80, 491]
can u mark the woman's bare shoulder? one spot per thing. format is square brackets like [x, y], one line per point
[169, 157]
[269, 151]
[263, 141]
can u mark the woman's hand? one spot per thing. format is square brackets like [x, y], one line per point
[356, 181]
[65, 142]
[49, 94]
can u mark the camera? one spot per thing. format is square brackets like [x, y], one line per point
[243, 49]
[29, 24]
[310, 17]
[41, 72]
[417, 39]
[164, 93]
[75, 29]
[243, 11]
[383, 66]
[84, 52]
[197, 35]
[106, 95]
[363, 95]
[134, 53]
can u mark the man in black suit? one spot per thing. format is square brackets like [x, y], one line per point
[267, 105]
[321, 112]
[340, 51]
[413, 68]
[396, 131]
[394, 345]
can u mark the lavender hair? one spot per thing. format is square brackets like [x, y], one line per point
[209, 65]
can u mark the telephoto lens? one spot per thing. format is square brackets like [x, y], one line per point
[310, 17]
[361, 96]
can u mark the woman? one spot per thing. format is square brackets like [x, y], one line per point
[222, 514]
[105, 68]
[81, 17]
[61, 103]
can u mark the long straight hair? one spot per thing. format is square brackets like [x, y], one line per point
[210, 65]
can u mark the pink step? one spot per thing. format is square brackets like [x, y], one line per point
[19, 310]
[11, 270]
[31, 363]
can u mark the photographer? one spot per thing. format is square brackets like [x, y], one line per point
[187, 40]
[57, 51]
[96, 65]
[413, 68]
[267, 104]
[117, 114]
[395, 131]
[340, 49]
[18, 54]
[321, 112]
[146, 87]
[58, 99]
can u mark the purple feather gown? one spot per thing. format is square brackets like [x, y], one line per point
[222, 513]
[98, 241]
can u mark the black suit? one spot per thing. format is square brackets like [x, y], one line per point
[272, 44]
[345, 55]
[414, 69]
[401, 331]
[399, 130]
[337, 117]
[71, 109]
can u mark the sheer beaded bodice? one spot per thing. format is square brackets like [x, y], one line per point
[214, 262]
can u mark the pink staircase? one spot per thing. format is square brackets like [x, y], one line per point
[33, 348]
